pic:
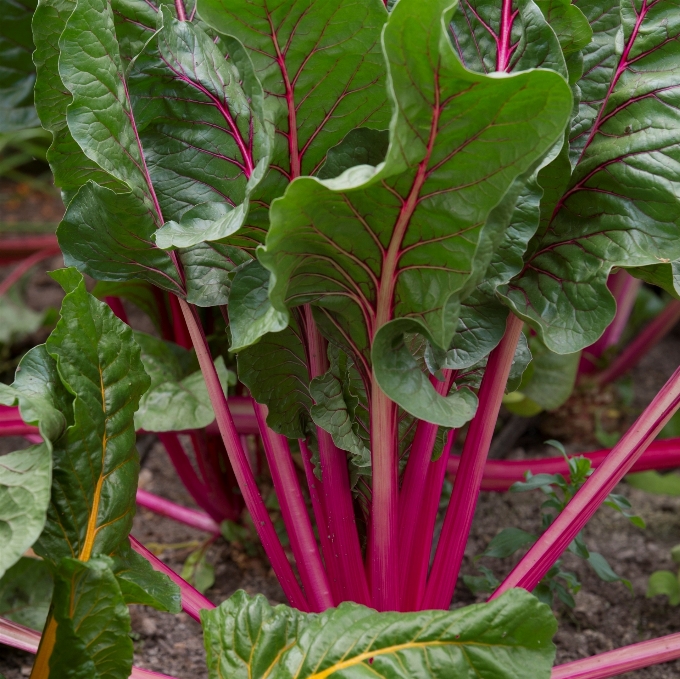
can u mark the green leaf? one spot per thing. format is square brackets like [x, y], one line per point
[92, 623]
[71, 167]
[666, 583]
[17, 75]
[203, 140]
[604, 571]
[245, 636]
[140, 584]
[109, 236]
[322, 73]
[362, 146]
[177, 398]
[341, 408]
[25, 478]
[620, 207]
[95, 461]
[507, 542]
[477, 27]
[402, 379]
[550, 379]
[251, 315]
[655, 483]
[26, 475]
[26, 592]
[275, 372]
[569, 23]
[17, 320]
[665, 276]
[198, 571]
[413, 227]
[508, 637]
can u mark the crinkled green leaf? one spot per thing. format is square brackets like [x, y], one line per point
[91, 631]
[177, 398]
[505, 638]
[621, 204]
[486, 44]
[245, 636]
[402, 379]
[71, 167]
[17, 74]
[323, 75]
[251, 315]
[404, 239]
[95, 461]
[341, 408]
[275, 372]
[26, 475]
[140, 584]
[26, 592]
[109, 236]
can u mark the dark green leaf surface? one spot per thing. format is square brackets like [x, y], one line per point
[507, 638]
[109, 236]
[26, 592]
[485, 43]
[95, 461]
[406, 238]
[244, 636]
[92, 623]
[71, 167]
[362, 146]
[569, 23]
[666, 276]
[177, 398]
[621, 205]
[26, 475]
[17, 74]
[140, 584]
[275, 372]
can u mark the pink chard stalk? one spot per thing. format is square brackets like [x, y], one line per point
[381, 202]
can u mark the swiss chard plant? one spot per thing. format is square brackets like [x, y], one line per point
[374, 200]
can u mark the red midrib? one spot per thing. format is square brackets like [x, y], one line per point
[388, 277]
[293, 150]
[620, 69]
[504, 47]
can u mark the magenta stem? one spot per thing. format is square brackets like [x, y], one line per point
[179, 327]
[550, 546]
[295, 517]
[499, 475]
[25, 639]
[461, 509]
[193, 602]
[422, 545]
[239, 462]
[190, 517]
[651, 335]
[24, 267]
[337, 492]
[625, 290]
[413, 499]
[316, 496]
[621, 660]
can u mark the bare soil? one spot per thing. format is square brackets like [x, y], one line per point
[606, 616]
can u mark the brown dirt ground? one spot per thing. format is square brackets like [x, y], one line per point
[606, 616]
